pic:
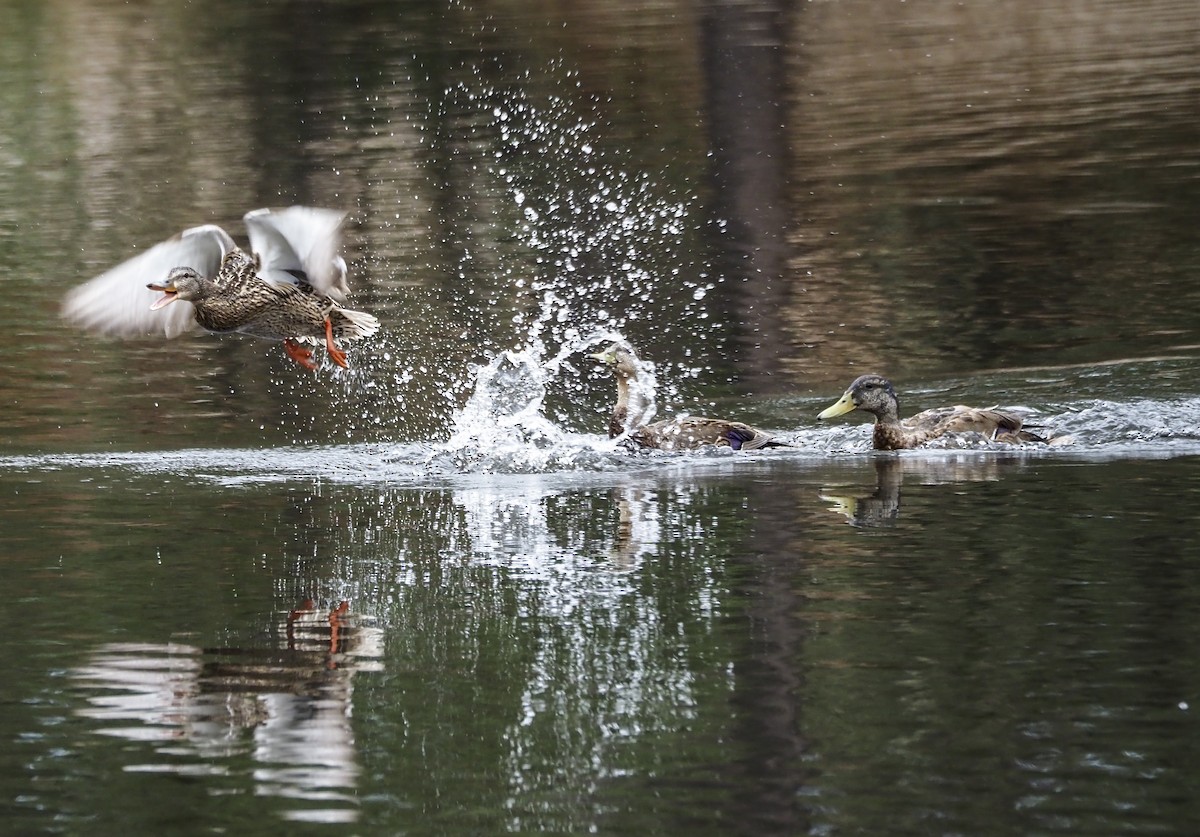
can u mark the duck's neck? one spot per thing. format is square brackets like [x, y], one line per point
[635, 404]
[204, 288]
[889, 433]
[891, 436]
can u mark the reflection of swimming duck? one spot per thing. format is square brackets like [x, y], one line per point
[876, 395]
[635, 404]
[877, 509]
[290, 288]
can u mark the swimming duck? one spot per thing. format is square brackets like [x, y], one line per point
[290, 287]
[876, 395]
[635, 406]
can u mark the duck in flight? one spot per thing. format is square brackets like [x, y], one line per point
[290, 286]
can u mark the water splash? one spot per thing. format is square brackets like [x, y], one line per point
[610, 244]
[503, 428]
[548, 226]
[1102, 422]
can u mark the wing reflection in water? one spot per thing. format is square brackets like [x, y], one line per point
[197, 705]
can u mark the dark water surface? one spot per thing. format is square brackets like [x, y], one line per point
[425, 596]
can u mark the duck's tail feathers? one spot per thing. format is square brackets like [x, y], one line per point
[747, 438]
[356, 324]
[1027, 435]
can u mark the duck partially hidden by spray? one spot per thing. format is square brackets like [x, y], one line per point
[875, 394]
[635, 407]
[289, 287]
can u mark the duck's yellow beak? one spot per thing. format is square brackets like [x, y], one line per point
[169, 294]
[603, 357]
[839, 408]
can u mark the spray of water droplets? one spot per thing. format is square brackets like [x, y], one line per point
[554, 240]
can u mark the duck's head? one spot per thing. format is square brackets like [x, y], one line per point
[620, 359]
[181, 283]
[636, 385]
[869, 393]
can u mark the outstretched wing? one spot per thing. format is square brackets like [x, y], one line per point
[299, 243]
[117, 302]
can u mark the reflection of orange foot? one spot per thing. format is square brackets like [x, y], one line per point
[335, 354]
[335, 630]
[306, 606]
[299, 354]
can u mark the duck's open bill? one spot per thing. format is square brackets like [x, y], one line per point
[169, 294]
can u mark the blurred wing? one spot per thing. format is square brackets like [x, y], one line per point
[299, 239]
[117, 302]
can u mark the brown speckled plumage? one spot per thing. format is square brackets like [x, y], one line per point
[635, 404]
[238, 300]
[876, 395]
[289, 287]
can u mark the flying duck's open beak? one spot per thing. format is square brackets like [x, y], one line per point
[839, 408]
[169, 294]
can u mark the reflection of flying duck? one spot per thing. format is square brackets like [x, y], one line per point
[290, 287]
[635, 405]
[287, 705]
[875, 394]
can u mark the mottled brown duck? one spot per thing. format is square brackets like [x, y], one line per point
[875, 394]
[289, 287]
[635, 406]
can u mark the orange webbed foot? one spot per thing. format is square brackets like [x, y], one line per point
[299, 354]
[335, 354]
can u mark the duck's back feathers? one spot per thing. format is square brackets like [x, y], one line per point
[118, 303]
[692, 432]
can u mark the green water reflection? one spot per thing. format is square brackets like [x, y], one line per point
[684, 650]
